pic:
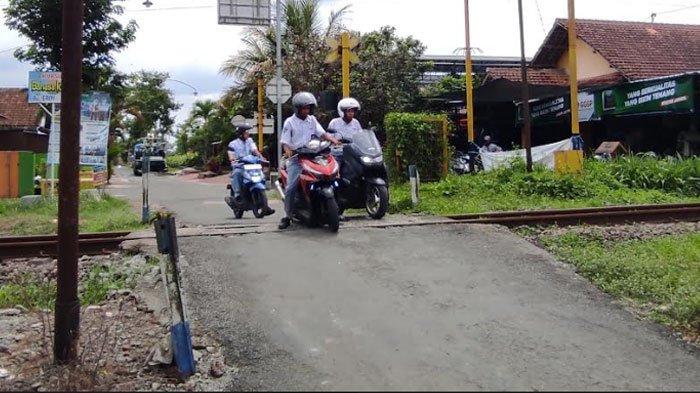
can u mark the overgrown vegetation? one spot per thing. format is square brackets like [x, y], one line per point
[414, 139]
[660, 276]
[626, 180]
[189, 159]
[96, 215]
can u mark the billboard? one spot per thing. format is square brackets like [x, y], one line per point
[95, 108]
[665, 95]
[244, 12]
[44, 87]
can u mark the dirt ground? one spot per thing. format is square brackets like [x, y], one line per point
[118, 339]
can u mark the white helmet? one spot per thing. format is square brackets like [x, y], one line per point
[347, 103]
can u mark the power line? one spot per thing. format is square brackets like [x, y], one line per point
[678, 9]
[539, 12]
[170, 8]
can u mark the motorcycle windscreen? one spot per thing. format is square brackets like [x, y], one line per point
[366, 143]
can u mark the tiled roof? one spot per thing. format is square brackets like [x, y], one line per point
[541, 76]
[551, 77]
[638, 50]
[15, 111]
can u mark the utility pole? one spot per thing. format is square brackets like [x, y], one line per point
[526, 130]
[345, 44]
[469, 104]
[573, 72]
[67, 318]
[261, 110]
[278, 15]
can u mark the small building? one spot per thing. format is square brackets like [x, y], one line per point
[613, 58]
[21, 123]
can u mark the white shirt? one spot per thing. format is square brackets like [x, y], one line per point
[242, 149]
[344, 130]
[297, 133]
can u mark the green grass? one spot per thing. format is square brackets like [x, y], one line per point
[96, 215]
[661, 276]
[626, 181]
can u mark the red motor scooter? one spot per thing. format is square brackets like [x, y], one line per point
[315, 202]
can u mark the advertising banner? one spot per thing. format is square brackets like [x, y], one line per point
[674, 95]
[44, 87]
[551, 110]
[95, 108]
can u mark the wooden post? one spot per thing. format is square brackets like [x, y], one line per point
[573, 72]
[469, 104]
[527, 126]
[345, 44]
[67, 317]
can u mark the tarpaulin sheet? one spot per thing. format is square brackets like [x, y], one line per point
[540, 155]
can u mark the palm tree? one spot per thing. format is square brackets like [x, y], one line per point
[303, 38]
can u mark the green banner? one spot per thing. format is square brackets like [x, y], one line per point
[666, 95]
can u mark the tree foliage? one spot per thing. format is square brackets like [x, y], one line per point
[387, 77]
[147, 104]
[40, 21]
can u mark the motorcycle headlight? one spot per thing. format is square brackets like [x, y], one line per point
[370, 160]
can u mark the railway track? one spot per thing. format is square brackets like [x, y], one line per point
[47, 245]
[595, 215]
[107, 242]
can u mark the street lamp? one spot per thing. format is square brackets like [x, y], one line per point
[186, 84]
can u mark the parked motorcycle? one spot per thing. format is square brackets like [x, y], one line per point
[460, 162]
[315, 202]
[364, 180]
[253, 191]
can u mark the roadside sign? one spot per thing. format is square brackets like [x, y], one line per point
[244, 12]
[44, 87]
[238, 119]
[268, 125]
[95, 111]
[285, 92]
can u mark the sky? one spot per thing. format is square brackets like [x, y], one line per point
[182, 37]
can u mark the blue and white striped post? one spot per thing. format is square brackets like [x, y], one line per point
[180, 334]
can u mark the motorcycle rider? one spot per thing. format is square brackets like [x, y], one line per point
[297, 132]
[243, 145]
[346, 125]
[490, 147]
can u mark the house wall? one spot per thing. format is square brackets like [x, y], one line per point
[589, 63]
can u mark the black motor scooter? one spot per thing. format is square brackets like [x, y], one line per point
[364, 182]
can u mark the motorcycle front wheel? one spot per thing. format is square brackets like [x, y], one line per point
[377, 201]
[332, 214]
[259, 203]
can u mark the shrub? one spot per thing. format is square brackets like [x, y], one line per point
[674, 174]
[415, 139]
[183, 160]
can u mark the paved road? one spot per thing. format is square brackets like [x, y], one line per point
[433, 307]
[195, 202]
[437, 307]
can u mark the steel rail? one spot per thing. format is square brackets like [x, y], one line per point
[596, 215]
